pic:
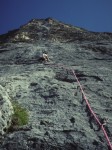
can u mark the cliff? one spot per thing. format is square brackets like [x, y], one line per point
[59, 119]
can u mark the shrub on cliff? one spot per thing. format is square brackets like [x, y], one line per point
[19, 118]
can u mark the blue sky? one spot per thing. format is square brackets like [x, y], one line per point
[94, 15]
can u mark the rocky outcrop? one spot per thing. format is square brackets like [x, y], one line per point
[6, 111]
[58, 117]
[52, 30]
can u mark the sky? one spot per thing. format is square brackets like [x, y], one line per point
[93, 15]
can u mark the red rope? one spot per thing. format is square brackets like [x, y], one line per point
[87, 102]
[96, 118]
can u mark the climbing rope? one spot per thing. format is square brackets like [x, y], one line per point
[92, 112]
[87, 102]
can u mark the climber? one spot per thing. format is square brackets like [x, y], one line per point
[44, 57]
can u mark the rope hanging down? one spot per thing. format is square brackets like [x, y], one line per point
[87, 102]
[92, 112]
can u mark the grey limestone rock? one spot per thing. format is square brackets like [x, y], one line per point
[6, 110]
[58, 115]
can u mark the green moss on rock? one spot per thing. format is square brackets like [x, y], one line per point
[19, 118]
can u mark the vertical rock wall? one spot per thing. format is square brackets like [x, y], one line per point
[6, 111]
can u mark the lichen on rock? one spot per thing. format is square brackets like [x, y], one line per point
[6, 111]
[58, 117]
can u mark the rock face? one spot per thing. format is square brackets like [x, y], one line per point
[58, 117]
[6, 111]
